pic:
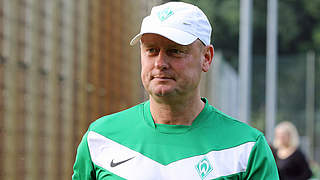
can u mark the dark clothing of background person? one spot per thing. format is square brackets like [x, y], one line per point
[294, 167]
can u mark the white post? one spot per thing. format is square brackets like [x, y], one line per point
[310, 100]
[245, 43]
[271, 76]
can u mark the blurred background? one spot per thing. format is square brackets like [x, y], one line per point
[65, 63]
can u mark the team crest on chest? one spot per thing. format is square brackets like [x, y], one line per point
[204, 167]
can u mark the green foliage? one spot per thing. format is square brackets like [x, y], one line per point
[316, 36]
[298, 25]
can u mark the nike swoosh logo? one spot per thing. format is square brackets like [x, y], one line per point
[114, 164]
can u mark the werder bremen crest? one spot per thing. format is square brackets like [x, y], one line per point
[164, 14]
[204, 167]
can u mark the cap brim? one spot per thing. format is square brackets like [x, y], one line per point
[179, 37]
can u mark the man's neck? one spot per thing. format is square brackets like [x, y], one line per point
[176, 113]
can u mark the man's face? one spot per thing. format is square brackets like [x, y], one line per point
[168, 68]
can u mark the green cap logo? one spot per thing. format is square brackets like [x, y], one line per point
[204, 167]
[164, 14]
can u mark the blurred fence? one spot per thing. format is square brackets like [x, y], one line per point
[63, 64]
[294, 99]
[291, 97]
[223, 86]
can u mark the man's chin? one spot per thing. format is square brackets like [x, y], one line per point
[162, 90]
[164, 93]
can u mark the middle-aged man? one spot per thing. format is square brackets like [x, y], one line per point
[176, 134]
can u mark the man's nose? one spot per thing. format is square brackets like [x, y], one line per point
[161, 61]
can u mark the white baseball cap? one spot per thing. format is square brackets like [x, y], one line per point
[180, 22]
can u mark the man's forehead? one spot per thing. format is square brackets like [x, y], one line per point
[156, 38]
[153, 39]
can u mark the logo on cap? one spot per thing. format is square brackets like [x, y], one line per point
[204, 167]
[165, 14]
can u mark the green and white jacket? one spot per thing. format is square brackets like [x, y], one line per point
[129, 145]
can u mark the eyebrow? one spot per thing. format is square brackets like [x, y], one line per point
[184, 48]
[147, 44]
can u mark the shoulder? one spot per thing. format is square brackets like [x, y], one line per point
[119, 119]
[299, 155]
[236, 135]
[233, 127]
[298, 152]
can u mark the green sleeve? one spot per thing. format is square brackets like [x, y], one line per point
[83, 168]
[261, 164]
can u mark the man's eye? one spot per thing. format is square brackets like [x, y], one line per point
[175, 51]
[151, 50]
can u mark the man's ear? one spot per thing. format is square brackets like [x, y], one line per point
[208, 53]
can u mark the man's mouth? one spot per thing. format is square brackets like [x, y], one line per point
[162, 77]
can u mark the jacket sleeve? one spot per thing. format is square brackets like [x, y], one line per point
[261, 163]
[83, 168]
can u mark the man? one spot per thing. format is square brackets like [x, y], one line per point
[176, 134]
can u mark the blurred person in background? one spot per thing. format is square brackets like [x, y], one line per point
[291, 162]
[176, 134]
